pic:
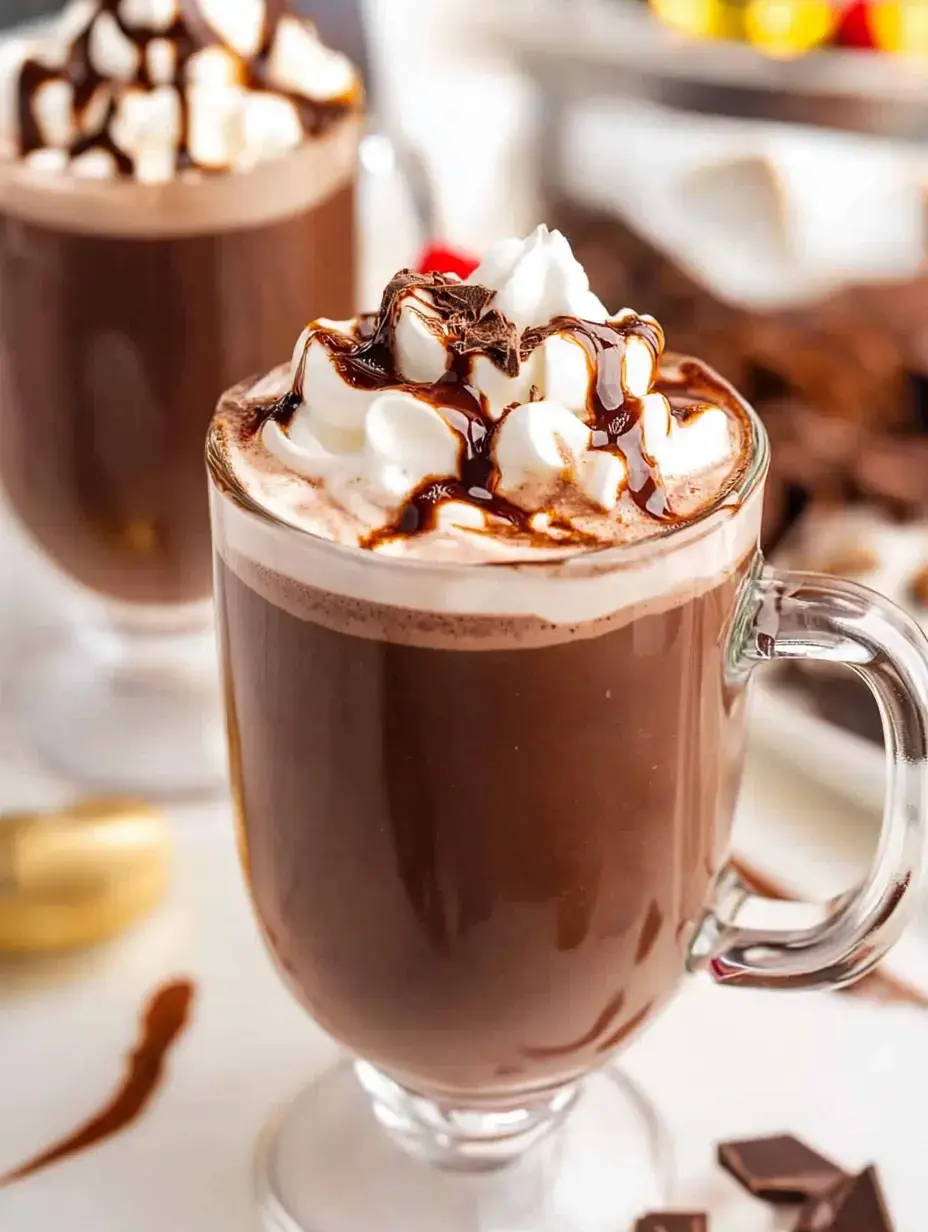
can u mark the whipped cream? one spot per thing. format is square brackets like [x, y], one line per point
[152, 89]
[507, 415]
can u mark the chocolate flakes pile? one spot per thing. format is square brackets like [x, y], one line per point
[842, 385]
[784, 1171]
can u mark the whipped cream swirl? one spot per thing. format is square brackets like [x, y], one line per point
[150, 89]
[512, 406]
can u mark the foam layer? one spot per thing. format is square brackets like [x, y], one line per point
[548, 596]
[506, 606]
[154, 90]
[276, 190]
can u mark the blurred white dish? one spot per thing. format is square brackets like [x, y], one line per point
[784, 721]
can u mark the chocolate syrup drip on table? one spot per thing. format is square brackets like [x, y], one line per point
[367, 362]
[189, 34]
[164, 1018]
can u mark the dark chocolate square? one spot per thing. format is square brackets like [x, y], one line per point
[856, 1204]
[780, 1169]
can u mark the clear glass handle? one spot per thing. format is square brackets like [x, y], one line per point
[803, 616]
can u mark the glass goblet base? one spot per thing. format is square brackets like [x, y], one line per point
[127, 701]
[346, 1156]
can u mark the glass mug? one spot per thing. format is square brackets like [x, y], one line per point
[486, 838]
[125, 309]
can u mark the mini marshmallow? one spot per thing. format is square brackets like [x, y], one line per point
[699, 444]
[161, 61]
[271, 126]
[149, 14]
[147, 127]
[214, 66]
[331, 399]
[637, 367]
[306, 457]
[421, 356]
[655, 425]
[112, 54]
[47, 161]
[407, 441]
[215, 125]
[238, 23]
[567, 373]
[680, 449]
[500, 390]
[94, 165]
[538, 442]
[53, 108]
[300, 64]
[602, 477]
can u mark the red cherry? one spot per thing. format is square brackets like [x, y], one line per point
[855, 28]
[440, 259]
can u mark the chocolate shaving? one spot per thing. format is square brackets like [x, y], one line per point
[492, 335]
[878, 985]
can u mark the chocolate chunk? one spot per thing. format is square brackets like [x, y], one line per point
[670, 1221]
[493, 335]
[856, 1204]
[779, 1169]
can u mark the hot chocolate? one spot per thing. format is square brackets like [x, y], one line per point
[477, 559]
[176, 188]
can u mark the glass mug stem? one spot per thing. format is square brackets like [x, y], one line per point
[797, 616]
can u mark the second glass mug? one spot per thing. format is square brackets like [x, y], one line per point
[484, 867]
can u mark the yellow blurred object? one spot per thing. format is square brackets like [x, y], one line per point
[900, 26]
[80, 875]
[788, 28]
[717, 19]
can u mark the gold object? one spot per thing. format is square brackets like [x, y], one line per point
[79, 875]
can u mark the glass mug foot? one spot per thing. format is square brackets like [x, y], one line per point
[326, 1164]
[130, 705]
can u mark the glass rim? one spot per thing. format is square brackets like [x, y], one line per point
[610, 556]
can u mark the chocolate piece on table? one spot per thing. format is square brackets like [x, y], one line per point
[779, 1169]
[856, 1204]
[671, 1221]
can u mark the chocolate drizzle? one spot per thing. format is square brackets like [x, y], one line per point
[366, 360]
[163, 1021]
[189, 33]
